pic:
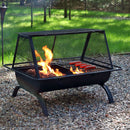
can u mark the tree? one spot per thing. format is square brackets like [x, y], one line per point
[70, 6]
[122, 4]
[47, 3]
[65, 8]
[22, 2]
[85, 4]
[49, 7]
[44, 6]
[28, 1]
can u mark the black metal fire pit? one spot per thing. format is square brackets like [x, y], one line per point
[92, 57]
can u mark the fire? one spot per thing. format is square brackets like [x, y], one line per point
[76, 71]
[45, 64]
[48, 54]
[46, 68]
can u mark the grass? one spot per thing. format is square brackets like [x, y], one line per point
[18, 19]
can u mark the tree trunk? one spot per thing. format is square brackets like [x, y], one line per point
[6, 2]
[129, 8]
[65, 8]
[28, 1]
[44, 14]
[122, 4]
[85, 5]
[70, 6]
[45, 7]
[31, 14]
[49, 9]
[115, 2]
[22, 2]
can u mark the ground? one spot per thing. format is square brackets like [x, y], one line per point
[73, 109]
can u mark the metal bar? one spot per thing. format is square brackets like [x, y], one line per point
[66, 58]
[108, 50]
[2, 12]
[38, 96]
[60, 32]
[22, 63]
[97, 60]
[15, 51]
[108, 92]
[86, 45]
[42, 103]
[6, 66]
[53, 43]
[2, 42]
[97, 64]
[34, 58]
[15, 91]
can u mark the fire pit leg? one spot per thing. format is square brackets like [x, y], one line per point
[39, 97]
[42, 103]
[108, 92]
[15, 91]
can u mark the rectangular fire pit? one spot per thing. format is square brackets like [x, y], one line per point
[72, 58]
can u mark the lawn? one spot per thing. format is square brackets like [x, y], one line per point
[18, 19]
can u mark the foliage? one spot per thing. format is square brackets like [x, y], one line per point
[103, 5]
[106, 5]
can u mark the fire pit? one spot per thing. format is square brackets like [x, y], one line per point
[64, 65]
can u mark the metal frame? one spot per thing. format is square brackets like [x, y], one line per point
[25, 80]
[43, 104]
[34, 57]
[29, 35]
[2, 11]
[15, 51]
[37, 95]
[86, 45]
[108, 49]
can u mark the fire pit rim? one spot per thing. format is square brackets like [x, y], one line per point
[65, 76]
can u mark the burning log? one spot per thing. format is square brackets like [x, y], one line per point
[31, 72]
[42, 75]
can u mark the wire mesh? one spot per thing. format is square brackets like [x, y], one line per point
[23, 53]
[65, 46]
[97, 50]
[69, 45]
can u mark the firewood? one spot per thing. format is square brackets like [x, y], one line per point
[31, 72]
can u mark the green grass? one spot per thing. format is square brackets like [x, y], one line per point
[18, 19]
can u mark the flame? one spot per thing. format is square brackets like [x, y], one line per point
[76, 71]
[46, 68]
[48, 54]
